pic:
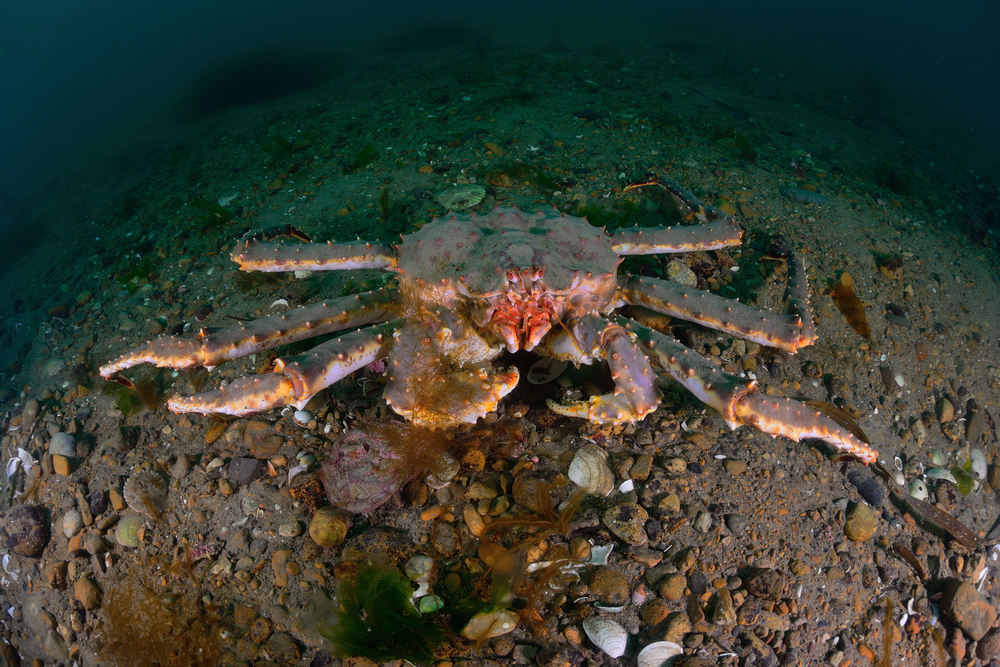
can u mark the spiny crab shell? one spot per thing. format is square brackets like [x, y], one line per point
[473, 286]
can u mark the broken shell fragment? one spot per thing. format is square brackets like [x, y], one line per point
[607, 635]
[658, 653]
[978, 460]
[918, 489]
[461, 196]
[590, 469]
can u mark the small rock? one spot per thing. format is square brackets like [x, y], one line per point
[261, 630]
[989, 646]
[628, 522]
[679, 272]
[181, 467]
[290, 529]
[117, 501]
[63, 444]
[146, 493]
[244, 470]
[88, 593]
[25, 531]
[609, 585]
[72, 523]
[283, 648]
[735, 466]
[702, 522]
[766, 583]
[945, 410]
[488, 625]
[654, 611]
[672, 587]
[860, 522]
[261, 439]
[278, 562]
[736, 523]
[963, 604]
[61, 465]
[724, 613]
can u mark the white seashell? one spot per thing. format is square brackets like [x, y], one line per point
[658, 653]
[610, 608]
[937, 458]
[897, 463]
[599, 554]
[627, 486]
[279, 302]
[546, 370]
[591, 470]
[978, 463]
[941, 473]
[302, 417]
[918, 489]
[898, 477]
[607, 635]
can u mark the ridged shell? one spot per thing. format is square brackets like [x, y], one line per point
[606, 635]
[658, 653]
[590, 469]
[461, 196]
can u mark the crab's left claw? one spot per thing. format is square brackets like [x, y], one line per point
[635, 394]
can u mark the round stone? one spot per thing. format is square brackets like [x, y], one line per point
[63, 445]
[860, 522]
[25, 531]
[88, 593]
[72, 523]
[609, 585]
[329, 527]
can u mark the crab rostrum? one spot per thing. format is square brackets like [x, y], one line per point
[471, 287]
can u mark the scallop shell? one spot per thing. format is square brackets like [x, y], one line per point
[53, 367]
[461, 196]
[591, 471]
[607, 635]
[658, 653]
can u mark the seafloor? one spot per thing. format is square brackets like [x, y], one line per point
[740, 548]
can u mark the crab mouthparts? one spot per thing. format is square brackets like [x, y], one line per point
[525, 317]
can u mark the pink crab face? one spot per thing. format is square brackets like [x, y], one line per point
[524, 318]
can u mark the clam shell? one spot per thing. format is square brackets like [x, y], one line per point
[918, 489]
[607, 635]
[546, 370]
[978, 463]
[590, 469]
[658, 653]
[941, 473]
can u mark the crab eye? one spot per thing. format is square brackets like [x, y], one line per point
[512, 276]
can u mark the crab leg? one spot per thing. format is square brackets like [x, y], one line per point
[296, 379]
[739, 401]
[254, 255]
[211, 349]
[717, 231]
[787, 332]
[591, 337]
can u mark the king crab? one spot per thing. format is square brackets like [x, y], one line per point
[472, 286]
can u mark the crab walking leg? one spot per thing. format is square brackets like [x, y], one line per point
[591, 337]
[739, 401]
[211, 349]
[296, 379]
[788, 332]
[254, 255]
[718, 230]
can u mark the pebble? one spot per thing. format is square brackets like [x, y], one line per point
[628, 522]
[860, 522]
[61, 466]
[609, 585]
[766, 583]
[328, 527]
[945, 410]
[63, 444]
[963, 604]
[146, 493]
[72, 523]
[672, 587]
[702, 522]
[736, 523]
[291, 529]
[724, 613]
[260, 438]
[735, 466]
[181, 467]
[278, 561]
[25, 531]
[243, 470]
[88, 593]
[867, 487]
[282, 647]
